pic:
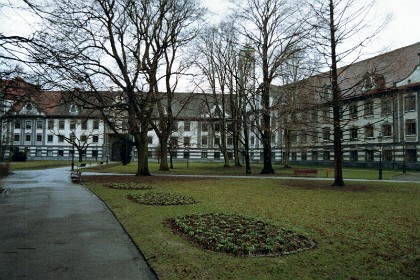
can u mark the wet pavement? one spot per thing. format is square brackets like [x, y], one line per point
[51, 228]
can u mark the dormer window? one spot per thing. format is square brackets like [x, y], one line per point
[74, 109]
[28, 107]
[373, 81]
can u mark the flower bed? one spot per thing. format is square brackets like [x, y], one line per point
[128, 186]
[237, 235]
[160, 198]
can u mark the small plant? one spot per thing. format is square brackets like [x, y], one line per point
[161, 198]
[129, 186]
[238, 235]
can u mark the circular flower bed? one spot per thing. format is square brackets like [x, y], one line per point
[238, 235]
[160, 198]
[128, 186]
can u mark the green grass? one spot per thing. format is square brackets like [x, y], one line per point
[362, 231]
[197, 168]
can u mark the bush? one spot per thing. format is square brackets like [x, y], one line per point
[4, 169]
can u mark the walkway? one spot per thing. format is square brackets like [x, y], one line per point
[53, 229]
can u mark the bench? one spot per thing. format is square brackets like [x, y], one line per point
[76, 176]
[82, 165]
[298, 172]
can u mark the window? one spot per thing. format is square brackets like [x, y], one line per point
[203, 154]
[230, 155]
[353, 110]
[50, 138]
[368, 107]
[387, 130]
[204, 127]
[230, 127]
[411, 154]
[60, 138]
[293, 136]
[314, 155]
[61, 125]
[314, 116]
[410, 102]
[217, 127]
[204, 140]
[173, 142]
[27, 137]
[368, 83]
[83, 138]
[353, 133]
[386, 106]
[28, 124]
[326, 133]
[369, 131]
[51, 124]
[60, 153]
[354, 155]
[84, 124]
[72, 125]
[304, 156]
[294, 156]
[95, 124]
[28, 107]
[304, 138]
[410, 127]
[16, 138]
[230, 141]
[39, 125]
[174, 154]
[150, 139]
[49, 152]
[217, 141]
[388, 155]
[38, 152]
[175, 126]
[216, 155]
[252, 140]
[187, 141]
[39, 137]
[186, 154]
[17, 124]
[369, 155]
[326, 155]
[95, 153]
[314, 136]
[187, 126]
[95, 138]
[74, 109]
[326, 114]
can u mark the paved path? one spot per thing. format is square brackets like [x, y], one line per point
[53, 229]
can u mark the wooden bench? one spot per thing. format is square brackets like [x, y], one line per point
[298, 172]
[76, 176]
[82, 165]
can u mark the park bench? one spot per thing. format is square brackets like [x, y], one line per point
[76, 176]
[82, 165]
[298, 172]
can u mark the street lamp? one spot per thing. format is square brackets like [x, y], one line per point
[404, 167]
[72, 158]
[380, 137]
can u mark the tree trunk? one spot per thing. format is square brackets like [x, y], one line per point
[338, 155]
[142, 157]
[164, 153]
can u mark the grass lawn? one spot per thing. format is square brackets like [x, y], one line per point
[40, 164]
[197, 168]
[361, 231]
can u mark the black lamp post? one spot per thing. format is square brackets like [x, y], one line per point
[72, 158]
[404, 167]
[380, 155]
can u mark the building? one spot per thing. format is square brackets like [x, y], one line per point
[379, 113]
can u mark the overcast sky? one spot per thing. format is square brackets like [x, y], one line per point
[403, 30]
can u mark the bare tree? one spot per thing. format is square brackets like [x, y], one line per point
[124, 44]
[272, 27]
[337, 22]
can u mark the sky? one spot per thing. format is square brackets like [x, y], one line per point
[402, 30]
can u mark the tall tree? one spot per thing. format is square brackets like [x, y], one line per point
[342, 28]
[97, 44]
[273, 28]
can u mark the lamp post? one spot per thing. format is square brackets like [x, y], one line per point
[380, 155]
[404, 167]
[72, 158]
